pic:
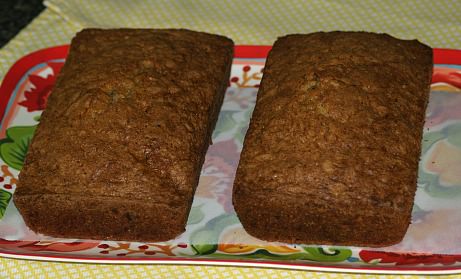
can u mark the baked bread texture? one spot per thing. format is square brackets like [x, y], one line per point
[332, 151]
[118, 151]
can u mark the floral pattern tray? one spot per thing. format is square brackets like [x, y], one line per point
[214, 235]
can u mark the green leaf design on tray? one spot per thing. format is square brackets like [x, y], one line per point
[196, 215]
[13, 148]
[234, 122]
[205, 240]
[429, 139]
[5, 198]
[454, 134]
[243, 127]
[328, 255]
[316, 254]
[225, 122]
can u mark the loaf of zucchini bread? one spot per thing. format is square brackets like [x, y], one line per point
[118, 151]
[331, 154]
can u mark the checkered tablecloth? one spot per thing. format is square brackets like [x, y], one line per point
[436, 23]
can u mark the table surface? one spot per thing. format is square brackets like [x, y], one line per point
[15, 15]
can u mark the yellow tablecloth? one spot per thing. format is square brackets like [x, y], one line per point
[436, 23]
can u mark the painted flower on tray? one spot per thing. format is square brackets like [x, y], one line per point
[438, 231]
[54, 246]
[450, 76]
[232, 239]
[224, 238]
[445, 98]
[122, 249]
[217, 173]
[226, 150]
[249, 77]
[440, 172]
[407, 258]
[37, 96]
[444, 160]
[443, 106]
[242, 97]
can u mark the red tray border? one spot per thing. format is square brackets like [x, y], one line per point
[21, 66]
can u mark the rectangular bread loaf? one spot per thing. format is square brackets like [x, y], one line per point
[332, 151]
[119, 149]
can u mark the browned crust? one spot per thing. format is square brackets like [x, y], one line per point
[332, 151]
[119, 149]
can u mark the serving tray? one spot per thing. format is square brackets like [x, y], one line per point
[214, 235]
